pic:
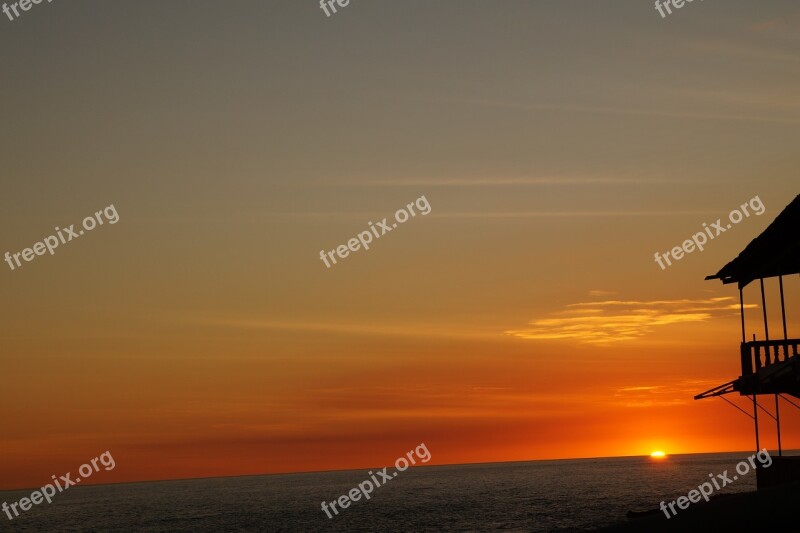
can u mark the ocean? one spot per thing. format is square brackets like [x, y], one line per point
[534, 496]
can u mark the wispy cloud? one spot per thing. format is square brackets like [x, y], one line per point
[638, 389]
[775, 23]
[643, 112]
[674, 392]
[564, 214]
[784, 27]
[772, 99]
[520, 181]
[622, 320]
[744, 50]
[597, 292]
[355, 327]
[372, 215]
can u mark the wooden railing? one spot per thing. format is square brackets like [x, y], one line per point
[760, 354]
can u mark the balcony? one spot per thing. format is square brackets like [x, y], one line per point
[762, 354]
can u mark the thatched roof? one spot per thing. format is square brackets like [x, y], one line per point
[776, 252]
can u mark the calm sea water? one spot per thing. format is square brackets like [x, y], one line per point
[531, 496]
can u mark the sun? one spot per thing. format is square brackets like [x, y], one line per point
[658, 454]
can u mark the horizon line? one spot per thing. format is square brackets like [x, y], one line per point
[301, 472]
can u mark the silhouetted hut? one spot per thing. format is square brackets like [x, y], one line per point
[770, 366]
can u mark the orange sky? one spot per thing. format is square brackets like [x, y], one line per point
[523, 318]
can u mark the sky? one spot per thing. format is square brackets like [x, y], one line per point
[559, 145]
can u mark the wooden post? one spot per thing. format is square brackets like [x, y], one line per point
[741, 309]
[767, 356]
[764, 309]
[755, 417]
[785, 358]
[783, 309]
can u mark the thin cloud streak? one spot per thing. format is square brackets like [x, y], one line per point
[353, 328]
[740, 50]
[505, 182]
[373, 215]
[564, 214]
[675, 392]
[599, 292]
[624, 111]
[613, 321]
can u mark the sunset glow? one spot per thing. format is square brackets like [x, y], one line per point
[524, 318]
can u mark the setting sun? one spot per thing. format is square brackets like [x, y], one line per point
[658, 454]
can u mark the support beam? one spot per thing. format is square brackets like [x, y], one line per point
[755, 417]
[778, 422]
[783, 308]
[786, 355]
[764, 309]
[741, 310]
